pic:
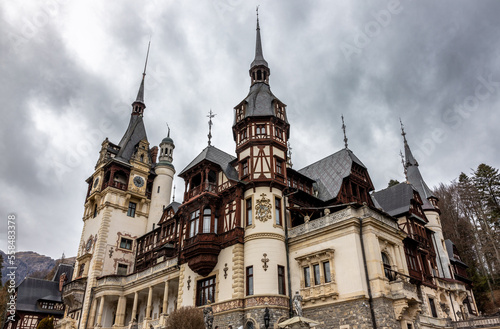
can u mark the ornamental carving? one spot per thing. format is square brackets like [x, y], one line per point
[263, 208]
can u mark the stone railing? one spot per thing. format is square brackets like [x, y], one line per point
[122, 280]
[339, 216]
[402, 289]
[152, 323]
[433, 321]
[481, 322]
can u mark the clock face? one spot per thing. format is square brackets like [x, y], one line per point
[89, 244]
[96, 181]
[138, 181]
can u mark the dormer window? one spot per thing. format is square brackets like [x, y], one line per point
[243, 135]
[280, 112]
[239, 114]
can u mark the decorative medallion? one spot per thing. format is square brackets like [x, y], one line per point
[265, 260]
[96, 181]
[138, 181]
[263, 208]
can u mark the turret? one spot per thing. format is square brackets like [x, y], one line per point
[162, 184]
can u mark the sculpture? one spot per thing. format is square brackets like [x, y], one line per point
[297, 303]
[208, 316]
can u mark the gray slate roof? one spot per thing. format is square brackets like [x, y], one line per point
[415, 178]
[221, 158]
[63, 268]
[134, 134]
[175, 205]
[260, 101]
[449, 248]
[30, 290]
[330, 172]
[394, 200]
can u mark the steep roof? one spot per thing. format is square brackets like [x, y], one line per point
[221, 158]
[394, 200]
[63, 268]
[260, 101]
[31, 290]
[330, 172]
[134, 134]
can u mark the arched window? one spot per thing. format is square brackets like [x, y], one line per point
[387, 267]
[207, 218]
[249, 325]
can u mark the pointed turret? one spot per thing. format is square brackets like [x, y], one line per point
[414, 176]
[259, 70]
[138, 105]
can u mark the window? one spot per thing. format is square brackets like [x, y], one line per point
[278, 133]
[122, 269]
[205, 291]
[249, 325]
[126, 244]
[81, 269]
[387, 267]
[307, 276]
[249, 280]
[194, 223]
[158, 190]
[279, 167]
[281, 280]
[432, 305]
[277, 204]
[317, 277]
[248, 207]
[207, 218]
[260, 130]
[244, 168]
[216, 222]
[243, 134]
[131, 209]
[326, 270]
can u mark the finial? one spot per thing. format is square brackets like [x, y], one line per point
[343, 128]
[404, 165]
[210, 116]
[402, 130]
[173, 197]
[168, 129]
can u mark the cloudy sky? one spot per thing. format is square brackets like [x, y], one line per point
[71, 70]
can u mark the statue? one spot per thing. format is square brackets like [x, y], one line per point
[297, 303]
[208, 316]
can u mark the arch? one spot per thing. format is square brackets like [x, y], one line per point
[250, 324]
[386, 261]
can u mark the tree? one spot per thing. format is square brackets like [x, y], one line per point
[186, 318]
[47, 323]
[393, 182]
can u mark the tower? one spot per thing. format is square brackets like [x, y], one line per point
[162, 184]
[429, 207]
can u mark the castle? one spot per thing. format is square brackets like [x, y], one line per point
[252, 231]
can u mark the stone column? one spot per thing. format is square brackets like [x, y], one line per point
[165, 299]
[99, 314]
[150, 302]
[134, 307]
[120, 311]
[93, 309]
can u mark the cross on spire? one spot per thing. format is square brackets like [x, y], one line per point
[173, 196]
[343, 128]
[402, 130]
[210, 116]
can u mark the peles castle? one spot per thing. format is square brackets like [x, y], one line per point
[251, 232]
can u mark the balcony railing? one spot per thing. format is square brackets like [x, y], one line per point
[486, 322]
[118, 185]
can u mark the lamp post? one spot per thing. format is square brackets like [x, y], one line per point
[266, 318]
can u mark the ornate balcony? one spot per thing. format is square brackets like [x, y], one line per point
[73, 292]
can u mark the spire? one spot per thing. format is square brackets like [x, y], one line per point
[139, 106]
[404, 165]
[210, 116]
[345, 136]
[259, 70]
[410, 160]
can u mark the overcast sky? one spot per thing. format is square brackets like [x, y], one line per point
[69, 72]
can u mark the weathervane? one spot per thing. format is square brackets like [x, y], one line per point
[402, 130]
[168, 129]
[173, 197]
[257, 10]
[210, 116]
[343, 128]
[404, 165]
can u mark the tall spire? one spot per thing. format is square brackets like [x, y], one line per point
[259, 70]
[138, 105]
[404, 165]
[410, 160]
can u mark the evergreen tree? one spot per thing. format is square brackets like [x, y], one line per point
[47, 323]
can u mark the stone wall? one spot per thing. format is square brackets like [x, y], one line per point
[355, 314]
[256, 315]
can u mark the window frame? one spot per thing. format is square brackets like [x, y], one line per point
[126, 240]
[248, 211]
[281, 280]
[204, 289]
[124, 267]
[132, 207]
[249, 281]
[306, 270]
[194, 218]
[327, 274]
[277, 211]
[207, 221]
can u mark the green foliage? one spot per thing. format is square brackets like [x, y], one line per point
[47, 323]
[186, 318]
[393, 182]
